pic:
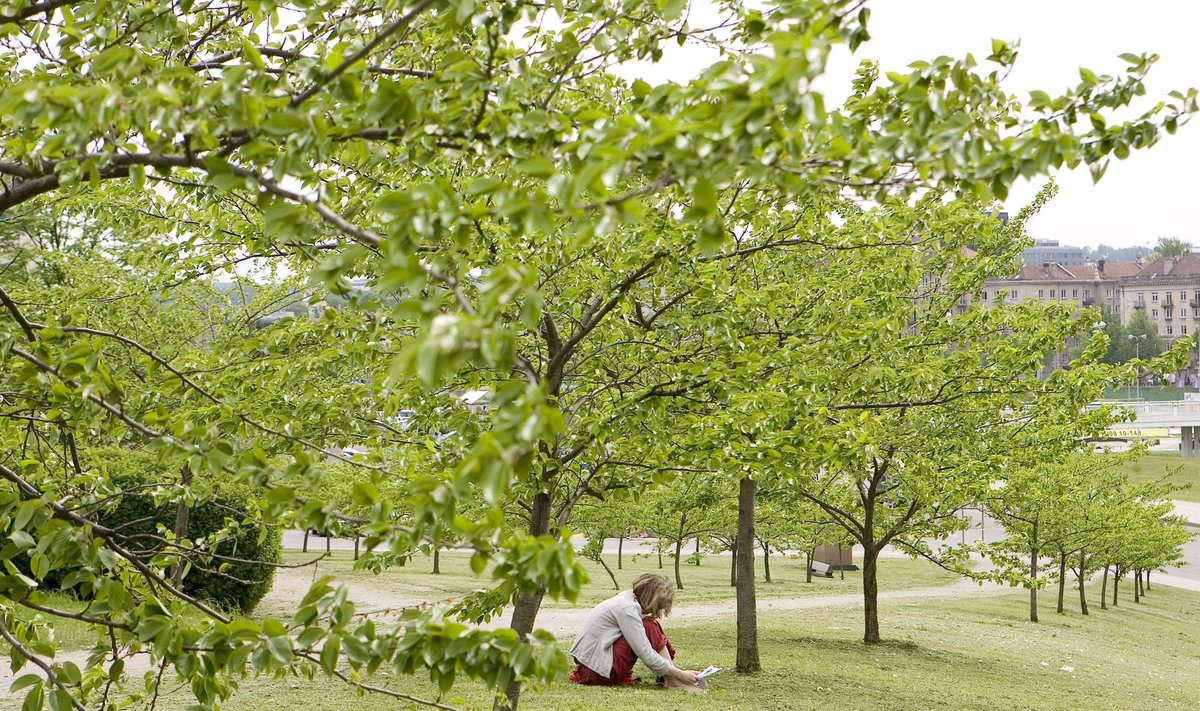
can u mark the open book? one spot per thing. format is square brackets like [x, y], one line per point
[709, 671]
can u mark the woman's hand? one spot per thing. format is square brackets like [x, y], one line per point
[691, 678]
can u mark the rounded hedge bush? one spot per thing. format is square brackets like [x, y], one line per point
[230, 585]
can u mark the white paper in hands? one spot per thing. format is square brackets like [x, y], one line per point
[709, 671]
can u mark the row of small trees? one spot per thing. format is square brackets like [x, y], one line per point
[1085, 516]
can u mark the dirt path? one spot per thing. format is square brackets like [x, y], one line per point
[291, 585]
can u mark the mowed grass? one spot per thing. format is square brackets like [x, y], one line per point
[1152, 467]
[705, 583]
[960, 653]
[1151, 393]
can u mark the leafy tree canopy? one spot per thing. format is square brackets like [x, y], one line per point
[580, 247]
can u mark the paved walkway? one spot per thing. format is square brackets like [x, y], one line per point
[1189, 510]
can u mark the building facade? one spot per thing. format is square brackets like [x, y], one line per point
[1168, 290]
[1049, 250]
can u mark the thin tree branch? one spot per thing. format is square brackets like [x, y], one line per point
[363, 52]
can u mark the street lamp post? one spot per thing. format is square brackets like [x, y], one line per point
[1137, 379]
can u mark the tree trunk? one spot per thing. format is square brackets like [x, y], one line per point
[304, 547]
[870, 594]
[767, 561]
[437, 560]
[1104, 589]
[1147, 578]
[808, 556]
[357, 538]
[1062, 580]
[678, 555]
[660, 565]
[1033, 573]
[1116, 581]
[697, 551]
[1137, 585]
[620, 547]
[747, 612]
[600, 560]
[1083, 606]
[181, 523]
[733, 564]
[328, 542]
[526, 608]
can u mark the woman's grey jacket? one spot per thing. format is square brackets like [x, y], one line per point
[616, 617]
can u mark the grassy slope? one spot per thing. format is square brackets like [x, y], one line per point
[961, 653]
[707, 582]
[1155, 466]
[1152, 393]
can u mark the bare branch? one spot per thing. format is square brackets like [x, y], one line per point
[366, 49]
[47, 669]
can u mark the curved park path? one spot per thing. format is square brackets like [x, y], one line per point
[565, 621]
[290, 585]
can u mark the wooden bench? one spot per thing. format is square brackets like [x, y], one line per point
[821, 570]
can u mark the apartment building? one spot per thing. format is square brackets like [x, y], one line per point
[1084, 285]
[1049, 250]
[1168, 290]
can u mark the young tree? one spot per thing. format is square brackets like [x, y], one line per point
[1171, 248]
[1142, 333]
[906, 427]
[1040, 509]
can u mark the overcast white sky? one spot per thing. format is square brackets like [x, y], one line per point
[1151, 194]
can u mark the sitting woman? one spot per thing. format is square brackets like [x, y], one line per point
[624, 629]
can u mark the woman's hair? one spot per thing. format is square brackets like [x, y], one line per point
[655, 594]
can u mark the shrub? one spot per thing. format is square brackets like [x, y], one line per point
[233, 586]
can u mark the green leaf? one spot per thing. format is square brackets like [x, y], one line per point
[329, 654]
[34, 700]
[704, 195]
[25, 681]
[536, 167]
[280, 648]
[285, 124]
[365, 493]
[484, 185]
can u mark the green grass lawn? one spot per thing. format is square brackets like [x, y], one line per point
[1151, 393]
[1155, 466]
[708, 582]
[963, 653]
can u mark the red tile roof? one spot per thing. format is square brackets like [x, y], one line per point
[1185, 266]
[1119, 270]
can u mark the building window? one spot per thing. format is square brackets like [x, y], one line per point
[1154, 296]
[1063, 294]
[1074, 293]
[1183, 330]
[1154, 313]
[1108, 293]
[1183, 296]
[1182, 313]
[1087, 293]
[1170, 331]
[985, 296]
[1041, 294]
[1013, 292]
